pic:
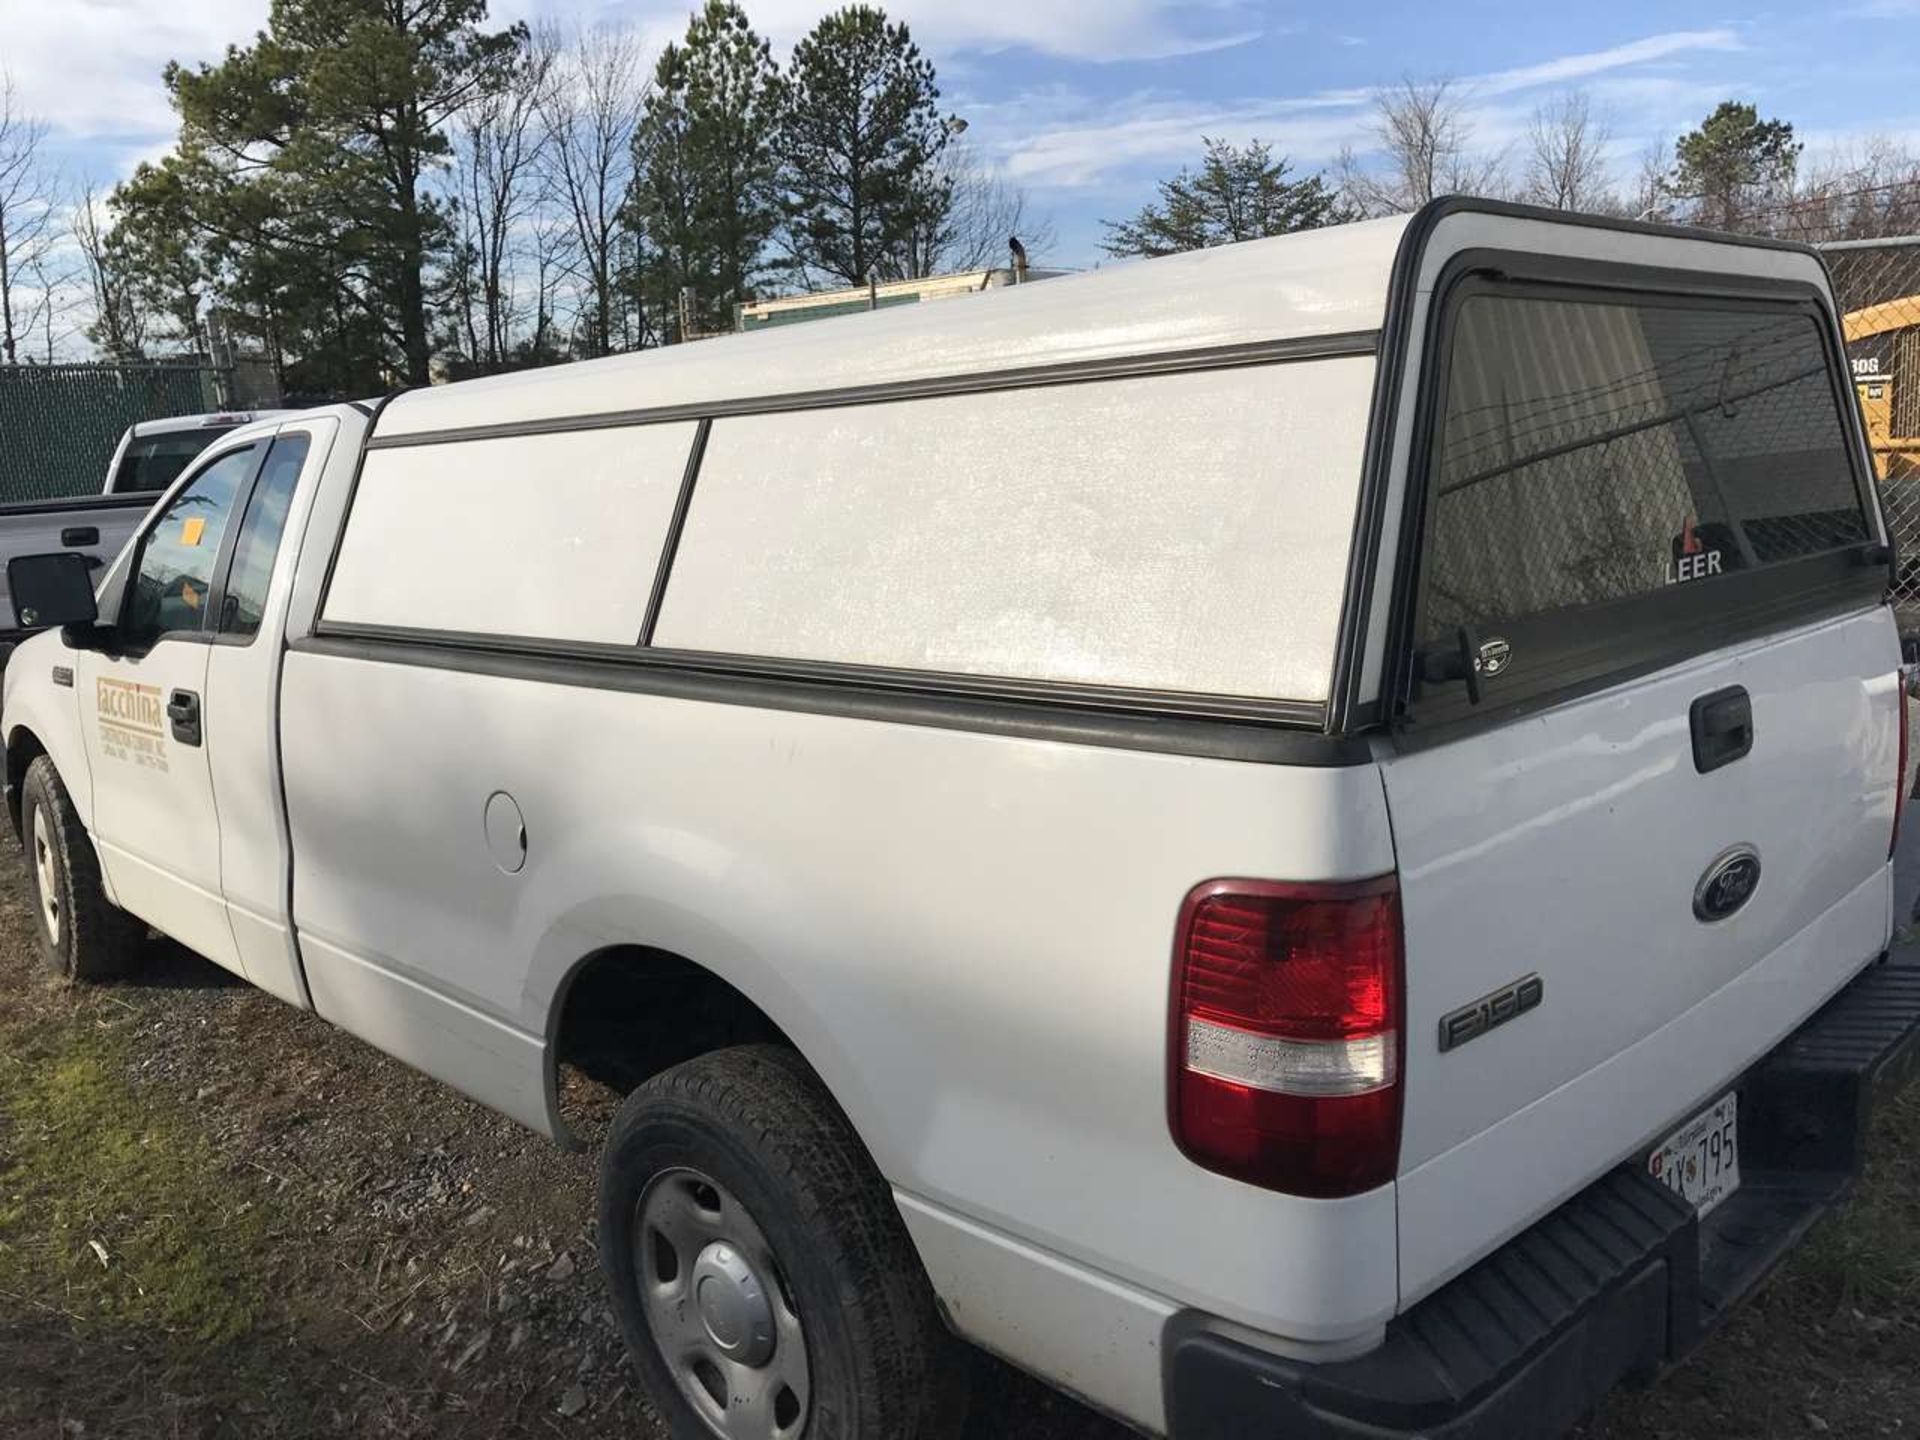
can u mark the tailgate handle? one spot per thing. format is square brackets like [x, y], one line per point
[1722, 725]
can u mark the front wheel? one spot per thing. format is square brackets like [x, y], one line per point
[761, 1273]
[83, 935]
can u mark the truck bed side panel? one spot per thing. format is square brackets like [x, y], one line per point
[969, 936]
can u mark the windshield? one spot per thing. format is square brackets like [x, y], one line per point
[153, 462]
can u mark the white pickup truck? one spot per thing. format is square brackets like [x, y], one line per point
[150, 456]
[1294, 839]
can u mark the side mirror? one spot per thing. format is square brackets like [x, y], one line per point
[50, 590]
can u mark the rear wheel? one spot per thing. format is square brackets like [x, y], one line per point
[83, 935]
[762, 1275]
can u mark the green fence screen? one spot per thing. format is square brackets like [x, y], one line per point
[59, 423]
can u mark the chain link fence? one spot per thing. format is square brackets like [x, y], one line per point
[1877, 283]
[59, 423]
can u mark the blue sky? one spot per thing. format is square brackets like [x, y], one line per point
[1084, 103]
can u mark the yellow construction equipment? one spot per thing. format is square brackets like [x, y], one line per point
[1894, 456]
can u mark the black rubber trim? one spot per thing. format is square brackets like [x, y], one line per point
[676, 523]
[928, 684]
[850, 693]
[1618, 1282]
[1219, 357]
[1376, 471]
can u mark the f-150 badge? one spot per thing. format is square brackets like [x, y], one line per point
[1490, 1012]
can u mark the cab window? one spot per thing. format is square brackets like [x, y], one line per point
[153, 462]
[174, 580]
[258, 541]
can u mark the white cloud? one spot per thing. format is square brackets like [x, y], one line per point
[1059, 139]
[92, 67]
[1569, 68]
[1085, 154]
[1095, 30]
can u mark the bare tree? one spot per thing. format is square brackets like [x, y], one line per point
[986, 213]
[26, 218]
[591, 110]
[1566, 163]
[51, 309]
[119, 321]
[1422, 131]
[1861, 190]
[1652, 197]
[498, 148]
[550, 254]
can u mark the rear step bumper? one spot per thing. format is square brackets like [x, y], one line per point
[1616, 1283]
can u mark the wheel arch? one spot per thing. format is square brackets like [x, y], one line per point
[624, 1012]
[23, 748]
[653, 1007]
[43, 716]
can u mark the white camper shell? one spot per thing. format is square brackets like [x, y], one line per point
[1294, 839]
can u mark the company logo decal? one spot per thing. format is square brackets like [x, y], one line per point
[1693, 557]
[133, 722]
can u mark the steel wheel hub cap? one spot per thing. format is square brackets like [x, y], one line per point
[733, 1305]
[46, 874]
[718, 1309]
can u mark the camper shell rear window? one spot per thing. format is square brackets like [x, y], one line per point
[1618, 477]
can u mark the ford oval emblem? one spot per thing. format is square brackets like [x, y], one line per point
[1728, 884]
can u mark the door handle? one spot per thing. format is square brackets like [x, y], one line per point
[183, 714]
[74, 536]
[1722, 725]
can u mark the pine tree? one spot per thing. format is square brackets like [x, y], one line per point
[310, 150]
[704, 173]
[860, 143]
[1733, 166]
[1239, 194]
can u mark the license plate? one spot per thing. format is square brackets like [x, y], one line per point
[1700, 1162]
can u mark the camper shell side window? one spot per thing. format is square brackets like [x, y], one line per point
[1133, 540]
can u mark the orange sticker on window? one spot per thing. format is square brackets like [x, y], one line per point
[192, 530]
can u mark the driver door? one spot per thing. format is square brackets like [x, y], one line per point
[154, 823]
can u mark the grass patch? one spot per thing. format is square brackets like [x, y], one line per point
[1868, 1254]
[84, 1162]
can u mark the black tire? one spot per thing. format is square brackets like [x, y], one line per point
[83, 935]
[758, 1121]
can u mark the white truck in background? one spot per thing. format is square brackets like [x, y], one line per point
[149, 458]
[1294, 839]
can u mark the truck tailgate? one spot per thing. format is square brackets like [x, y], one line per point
[93, 525]
[1569, 846]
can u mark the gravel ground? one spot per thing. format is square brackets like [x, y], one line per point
[220, 1217]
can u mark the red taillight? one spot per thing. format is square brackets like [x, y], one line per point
[1900, 781]
[1286, 1033]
